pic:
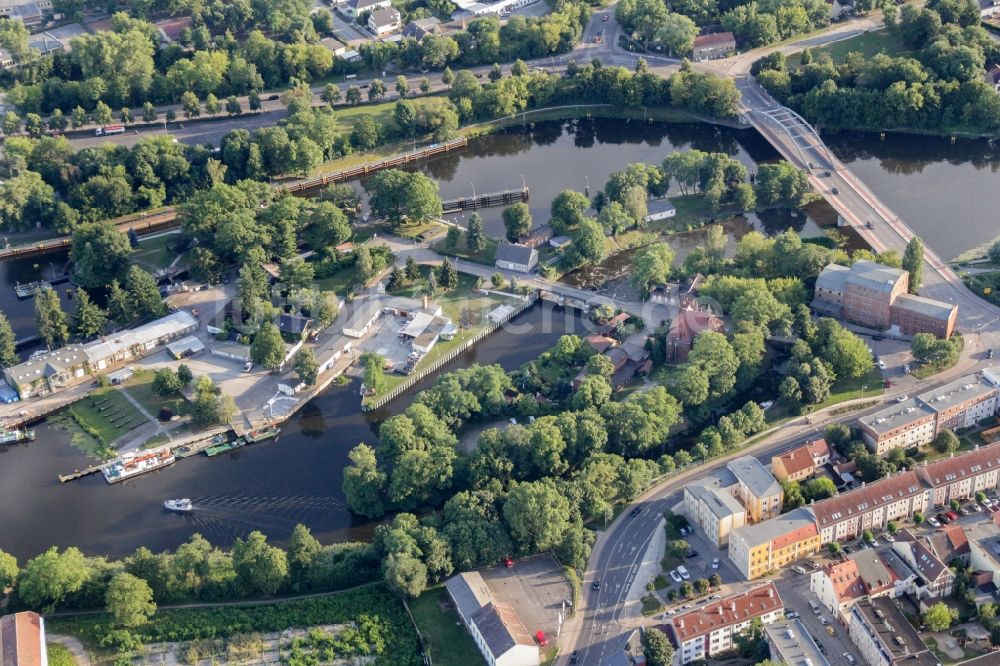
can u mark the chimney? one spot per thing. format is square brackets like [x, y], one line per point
[424, 302]
[770, 593]
[680, 623]
[732, 606]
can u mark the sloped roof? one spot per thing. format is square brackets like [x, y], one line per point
[734, 609]
[469, 592]
[22, 637]
[715, 39]
[928, 307]
[803, 457]
[501, 628]
[514, 253]
[947, 471]
[866, 498]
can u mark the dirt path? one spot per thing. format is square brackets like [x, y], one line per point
[72, 644]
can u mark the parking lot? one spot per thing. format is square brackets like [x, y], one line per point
[536, 588]
[384, 339]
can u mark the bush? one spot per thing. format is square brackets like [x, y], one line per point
[165, 414]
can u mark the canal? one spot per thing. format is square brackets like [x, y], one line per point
[270, 487]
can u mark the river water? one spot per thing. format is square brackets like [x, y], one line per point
[269, 486]
[275, 485]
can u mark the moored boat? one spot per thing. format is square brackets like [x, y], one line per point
[28, 290]
[134, 464]
[178, 505]
[10, 436]
[223, 448]
[261, 434]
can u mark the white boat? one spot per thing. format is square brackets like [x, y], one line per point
[178, 505]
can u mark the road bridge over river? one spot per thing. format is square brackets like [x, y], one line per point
[799, 143]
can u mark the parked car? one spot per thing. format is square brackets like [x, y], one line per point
[987, 502]
[835, 190]
[881, 364]
[798, 569]
[943, 519]
[791, 615]
[596, 585]
[850, 658]
[830, 630]
[575, 657]
[715, 563]
[683, 572]
[823, 620]
[951, 515]
[989, 353]
[692, 553]
[906, 368]
[814, 606]
[902, 398]
[248, 367]
[889, 538]
[933, 522]
[873, 543]
[676, 576]
[509, 563]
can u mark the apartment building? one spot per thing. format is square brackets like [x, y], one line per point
[758, 549]
[801, 462]
[870, 507]
[756, 489]
[876, 296]
[917, 421]
[715, 511]
[984, 546]
[961, 476]
[859, 575]
[885, 637]
[703, 632]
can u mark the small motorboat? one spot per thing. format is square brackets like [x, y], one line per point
[178, 505]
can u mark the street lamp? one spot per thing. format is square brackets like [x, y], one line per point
[863, 392]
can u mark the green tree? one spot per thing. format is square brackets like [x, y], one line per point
[149, 113]
[819, 488]
[353, 95]
[120, 308]
[398, 195]
[402, 86]
[8, 571]
[331, 94]
[567, 210]
[657, 648]
[88, 319]
[447, 275]
[411, 271]
[677, 33]
[652, 265]
[166, 382]
[103, 114]
[946, 442]
[913, 262]
[364, 483]
[49, 578]
[259, 567]
[303, 548]
[475, 238]
[306, 366]
[447, 76]
[143, 293]
[538, 515]
[268, 348]
[190, 105]
[454, 235]
[184, 374]
[940, 617]
[8, 343]
[517, 221]
[50, 318]
[100, 253]
[129, 600]
[374, 372]
[11, 124]
[78, 117]
[589, 247]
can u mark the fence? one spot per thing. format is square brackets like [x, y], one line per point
[382, 401]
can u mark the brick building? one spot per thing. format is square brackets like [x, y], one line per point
[801, 462]
[876, 296]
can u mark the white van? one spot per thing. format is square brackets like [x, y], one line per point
[815, 607]
[350, 76]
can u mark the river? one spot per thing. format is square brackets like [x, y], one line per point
[297, 479]
[270, 486]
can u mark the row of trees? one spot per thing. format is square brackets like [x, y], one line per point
[940, 88]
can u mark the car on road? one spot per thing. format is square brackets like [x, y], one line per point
[813, 605]
[791, 615]
[509, 563]
[873, 543]
[636, 511]
[826, 174]
[889, 538]
[902, 398]
[676, 576]
[715, 563]
[605, 18]
[975, 506]
[933, 522]
[575, 657]
[715, 597]
[596, 585]
[823, 620]
[540, 637]
[906, 369]
[692, 553]
[850, 658]
[683, 572]
[987, 502]
[248, 367]
[830, 630]
[272, 98]
[835, 190]
[881, 364]
[989, 353]
[798, 569]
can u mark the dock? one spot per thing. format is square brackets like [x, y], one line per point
[80, 473]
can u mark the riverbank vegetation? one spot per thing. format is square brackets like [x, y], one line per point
[938, 88]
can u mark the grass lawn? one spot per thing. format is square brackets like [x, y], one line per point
[449, 643]
[141, 388]
[155, 253]
[106, 415]
[417, 231]
[59, 656]
[341, 282]
[487, 256]
[849, 389]
[868, 44]
[986, 285]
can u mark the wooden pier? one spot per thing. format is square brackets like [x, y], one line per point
[141, 224]
[505, 198]
[80, 473]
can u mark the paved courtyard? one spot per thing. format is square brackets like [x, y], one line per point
[536, 588]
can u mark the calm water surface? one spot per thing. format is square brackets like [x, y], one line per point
[270, 486]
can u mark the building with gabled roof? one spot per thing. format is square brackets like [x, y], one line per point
[516, 257]
[870, 507]
[502, 637]
[703, 632]
[885, 637]
[469, 592]
[756, 550]
[935, 579]
[961, 476]
[801, 462]
[22, 640]
[858, 575]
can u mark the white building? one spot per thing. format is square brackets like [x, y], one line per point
[495, 627]
[384, 21]
[714, 510]
[137, 342]
[660, 209]
[703, 632]
[863, 574]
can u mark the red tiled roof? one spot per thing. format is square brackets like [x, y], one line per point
[846, 579]
[796, 535]
[600, 342]
[734, 609]
[803, 457]
[948, 471]
[866, 498]
[21, 639]
[956, 537]
[714, 39]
